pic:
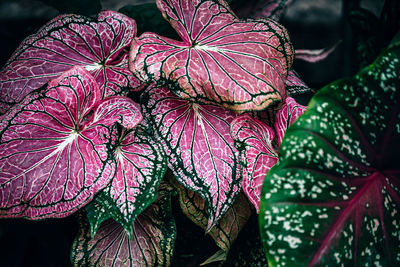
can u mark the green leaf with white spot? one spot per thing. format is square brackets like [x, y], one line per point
[334, 197]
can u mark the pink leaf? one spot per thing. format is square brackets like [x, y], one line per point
[241, 65]
[151, 244]
[141, 165]
[289, 112]
[118, 109]
[254, 138]
[53, 159]
[101, 46]
[198, 145]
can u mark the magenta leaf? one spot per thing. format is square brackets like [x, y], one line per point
[54, 157]
[254, 139]
[258, 149]
[151, 244]
[198, 145]
[141, 165]
[118, 109]
[295, 85]
[285, 117]
[101, 46]
[241, 65]
[333, 198]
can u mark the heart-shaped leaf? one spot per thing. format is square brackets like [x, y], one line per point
[101, 46]
[141, 165]
[55, 148]
[241, 65]
[334, 196]
[258, 149]
[198, 145]
[151, 245]
[286, 115]
[254, 139]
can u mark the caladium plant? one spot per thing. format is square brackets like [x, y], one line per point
[334, 196]
[54, 146]
[101, 46]
[241, 65]
[83, 130]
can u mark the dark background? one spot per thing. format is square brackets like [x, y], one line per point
[312, 24]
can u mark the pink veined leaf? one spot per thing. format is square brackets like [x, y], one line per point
[254, 139]
[118, 109]
[241, 65]
[288, 113]
[101, 46]
[53, 159]
[151, 245]
[315, 55]
[141, 165]
[295, 85]
[198, 145]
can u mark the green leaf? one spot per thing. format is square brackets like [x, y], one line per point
[334, 197]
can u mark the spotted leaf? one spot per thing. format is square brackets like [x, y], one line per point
[241, 65]
[54, 153]
[141, 165]
[152, 243]
[334, 196]
[254, 139]
[100, 45]
[198, 146]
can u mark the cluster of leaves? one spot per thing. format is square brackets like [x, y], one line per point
[93, 116]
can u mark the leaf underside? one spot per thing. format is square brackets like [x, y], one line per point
[228, 227]
[334, 196]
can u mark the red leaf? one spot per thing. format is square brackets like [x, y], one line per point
[53, 159]
[288, 113]
[141, 165]
[254, 138]
[198, 145]
[241, 65]
[151, 245]
[101, 46]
